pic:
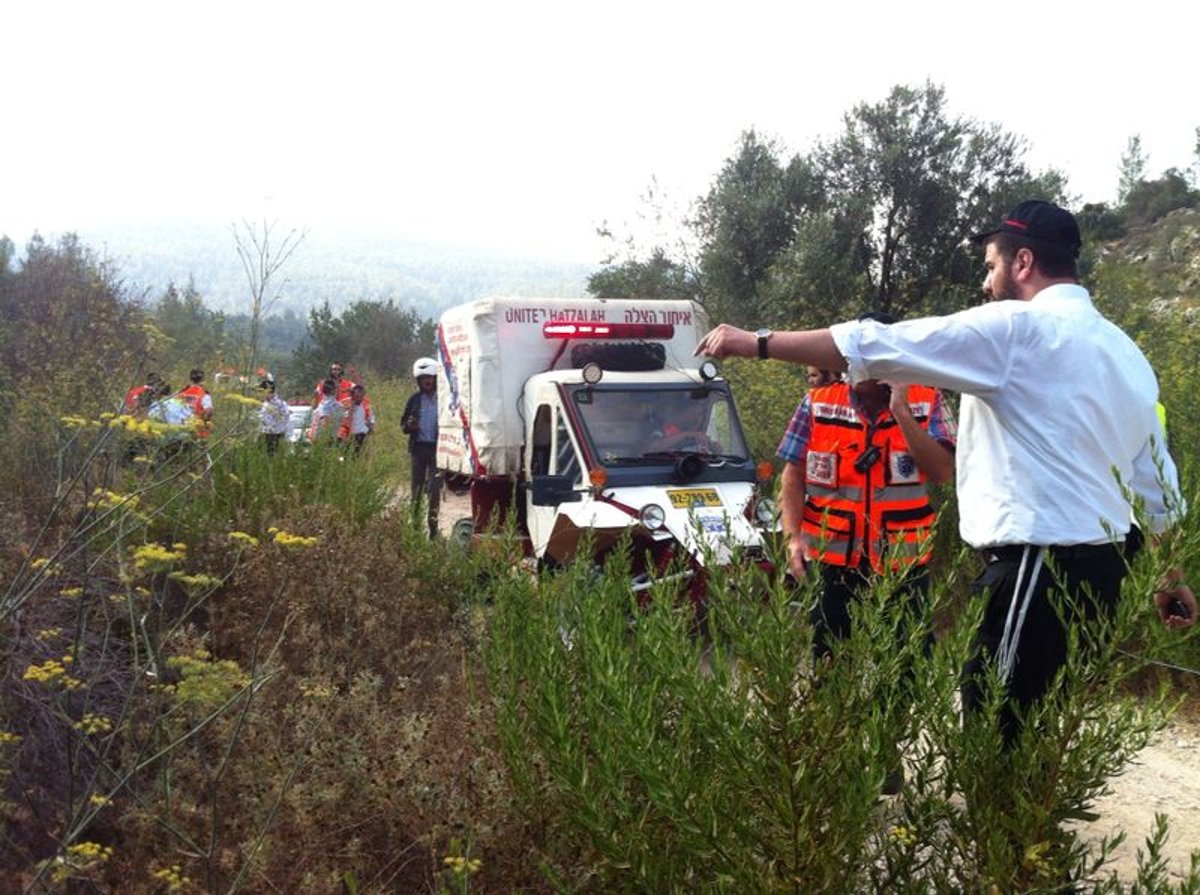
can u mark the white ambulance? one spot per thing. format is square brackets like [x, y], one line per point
[590, 421]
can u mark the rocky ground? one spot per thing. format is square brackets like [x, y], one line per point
[1164, 779]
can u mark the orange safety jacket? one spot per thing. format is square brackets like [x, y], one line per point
[132, 398]
[342, 394]
[878, 508]
[344, 429]
[194, 396]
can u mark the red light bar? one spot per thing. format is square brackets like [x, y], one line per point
[608, 330]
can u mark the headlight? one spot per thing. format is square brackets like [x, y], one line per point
[653, 516]
[765, 511]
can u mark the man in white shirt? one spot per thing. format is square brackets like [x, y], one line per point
[1057, 416]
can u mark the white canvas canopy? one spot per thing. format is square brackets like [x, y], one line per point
[489, 348]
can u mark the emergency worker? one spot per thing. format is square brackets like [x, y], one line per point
[1059, 430]
[327, 416]
[816, 377]
[420, 422]
[201, 403]
[853, 490]
[359, 421]
[342, 385]
[139, 398]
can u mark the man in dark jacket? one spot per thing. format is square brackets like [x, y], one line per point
[420, 422]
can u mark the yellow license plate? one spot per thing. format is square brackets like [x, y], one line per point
[686, 498]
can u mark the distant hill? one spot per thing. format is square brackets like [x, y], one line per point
[1169, 249]
[334, 267]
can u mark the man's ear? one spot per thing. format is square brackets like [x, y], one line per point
[1023, 264]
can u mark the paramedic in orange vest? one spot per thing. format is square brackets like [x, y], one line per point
[852, 492]
[201, 403]
[359, 421]
[343, 385]
[139, 398]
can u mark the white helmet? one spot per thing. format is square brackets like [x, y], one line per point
[424, 366]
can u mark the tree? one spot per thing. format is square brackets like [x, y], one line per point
[1133, 167]
[747, 219]
[1150, 200]
[901, 190]
[370, 336]
[658, 277]
[262, 261]
[197, 334]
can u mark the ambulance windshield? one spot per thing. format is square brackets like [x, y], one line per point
[643, 425]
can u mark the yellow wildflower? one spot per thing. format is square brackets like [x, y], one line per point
[172, 877]
[241, 536]
[52, 673]
[9, 738]
[316, 691]
[98, 801]
[461, 865]
[93, 724]
[157, 558]
[48, 634]
[71, 592]
[902, 835]
[80, 860]
[284, 539]
[195, 582]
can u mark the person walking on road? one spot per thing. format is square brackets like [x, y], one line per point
[420, 423]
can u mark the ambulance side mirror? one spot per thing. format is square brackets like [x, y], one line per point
[551, 490]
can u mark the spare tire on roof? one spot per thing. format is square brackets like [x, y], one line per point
[622, 357]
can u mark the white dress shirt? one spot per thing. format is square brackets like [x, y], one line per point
[1057, 414]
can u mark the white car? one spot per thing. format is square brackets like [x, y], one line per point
[301, 419]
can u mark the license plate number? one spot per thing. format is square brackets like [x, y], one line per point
[686, 498]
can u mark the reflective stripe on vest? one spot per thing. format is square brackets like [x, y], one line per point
[886, 506]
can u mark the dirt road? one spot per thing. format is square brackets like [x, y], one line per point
[1165, 779]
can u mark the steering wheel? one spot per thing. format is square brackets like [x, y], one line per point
[688, 440]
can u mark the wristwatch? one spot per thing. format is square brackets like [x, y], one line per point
[763, 335]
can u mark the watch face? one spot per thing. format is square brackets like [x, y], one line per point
[763, 333]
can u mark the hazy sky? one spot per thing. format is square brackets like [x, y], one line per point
[524, 125]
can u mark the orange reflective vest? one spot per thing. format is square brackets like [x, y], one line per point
[864, 495]
[347, 420]
[133, 398]
[194, 395]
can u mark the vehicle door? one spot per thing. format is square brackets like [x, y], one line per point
[554, 472]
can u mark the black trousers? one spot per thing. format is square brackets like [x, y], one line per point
[426, 480]
[840, 587]
[1021, 632]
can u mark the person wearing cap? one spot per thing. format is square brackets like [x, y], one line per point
[274, 416]
[1057, 419]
